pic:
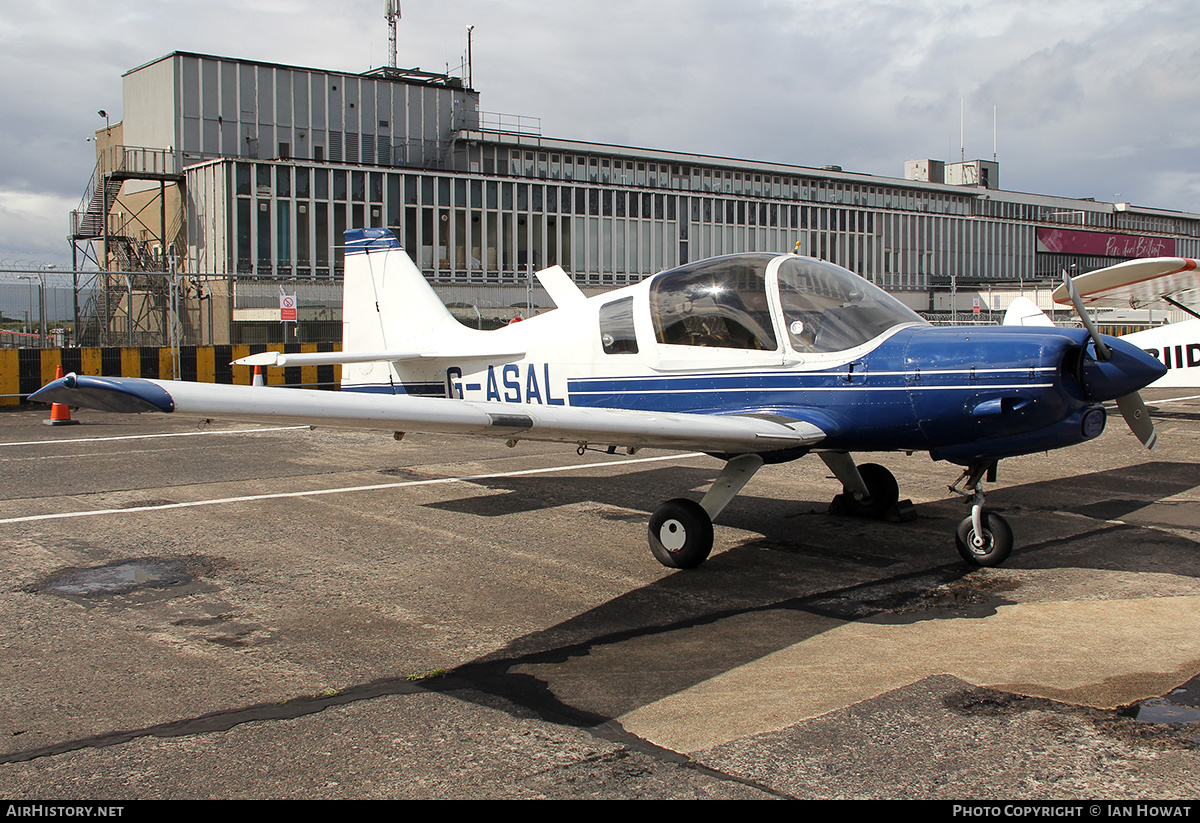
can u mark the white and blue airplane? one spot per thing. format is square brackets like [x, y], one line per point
[753, 358]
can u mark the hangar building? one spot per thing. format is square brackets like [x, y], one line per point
[243, 168]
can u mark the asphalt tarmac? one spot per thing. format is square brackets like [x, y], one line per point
[238, 611]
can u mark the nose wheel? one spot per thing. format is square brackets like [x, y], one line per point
[987, 544]
[984, 538]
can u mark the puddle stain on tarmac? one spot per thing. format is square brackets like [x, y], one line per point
[126, 576]
[1158, 729]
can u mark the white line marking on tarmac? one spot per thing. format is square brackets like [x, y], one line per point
[148, 436]
[1174, 399]
[80, 455]
[343, 489]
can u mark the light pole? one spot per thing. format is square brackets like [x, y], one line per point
[45, 267]
[29, 312]
[954, 298]
[40, 277]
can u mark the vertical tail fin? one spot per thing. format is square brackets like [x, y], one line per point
[386, 307]
[386, 303]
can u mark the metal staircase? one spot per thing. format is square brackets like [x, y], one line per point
[128, 305]
[88, 221]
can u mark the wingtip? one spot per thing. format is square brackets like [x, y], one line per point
[265, 358]
[113, 394]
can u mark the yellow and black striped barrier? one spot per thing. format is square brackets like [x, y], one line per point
[24, 371]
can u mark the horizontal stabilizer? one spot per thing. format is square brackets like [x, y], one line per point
[333, 358]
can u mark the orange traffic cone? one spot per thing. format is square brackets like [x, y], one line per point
[60, 413]
[258, 377]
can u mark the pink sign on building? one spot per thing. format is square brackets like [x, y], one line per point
[1101, 244]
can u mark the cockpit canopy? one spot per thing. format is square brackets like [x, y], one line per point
[723, 303]
[720, 302]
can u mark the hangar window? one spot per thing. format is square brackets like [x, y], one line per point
[720, 303]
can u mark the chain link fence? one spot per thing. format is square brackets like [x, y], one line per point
[43, 308]
[37, 308]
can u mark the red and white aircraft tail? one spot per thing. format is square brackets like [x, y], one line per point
[1158, 282]
[1153, 282]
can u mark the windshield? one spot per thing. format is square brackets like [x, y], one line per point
[827, 308]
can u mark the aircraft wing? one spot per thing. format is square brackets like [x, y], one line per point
[1137, 284]
[389, 412]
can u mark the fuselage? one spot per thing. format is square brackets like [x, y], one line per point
[797, 339]
[1177, 345]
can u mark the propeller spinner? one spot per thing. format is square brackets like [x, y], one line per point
[1118, 371]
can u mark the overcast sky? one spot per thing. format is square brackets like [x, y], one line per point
[1093, 98]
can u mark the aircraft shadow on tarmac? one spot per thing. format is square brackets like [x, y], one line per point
[1136, 494]
[1172, 413]
[755, 598]
[772, 596]
[526, 494]
[778, 521]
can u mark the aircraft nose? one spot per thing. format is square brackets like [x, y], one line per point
[1128, 370]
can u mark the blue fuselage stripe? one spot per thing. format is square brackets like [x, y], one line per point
[418, 389]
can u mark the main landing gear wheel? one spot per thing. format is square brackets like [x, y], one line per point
[681, 534]
[994, 546]
[884, 492]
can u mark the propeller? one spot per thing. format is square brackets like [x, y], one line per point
[1102, 351]
[1130, 404]
[1137, 416]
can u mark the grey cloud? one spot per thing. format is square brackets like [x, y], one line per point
[1094, 97]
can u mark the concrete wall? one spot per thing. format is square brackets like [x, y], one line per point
[24, 371]
[150, 102]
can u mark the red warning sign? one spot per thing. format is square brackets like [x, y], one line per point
[287, 308]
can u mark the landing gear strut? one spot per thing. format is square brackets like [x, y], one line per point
[869, 490]
[681, 530]
[985, 538]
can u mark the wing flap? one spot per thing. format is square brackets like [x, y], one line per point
[433, 414]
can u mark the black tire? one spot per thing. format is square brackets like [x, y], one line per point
[997, 541]
[883, 489]
[681, 534]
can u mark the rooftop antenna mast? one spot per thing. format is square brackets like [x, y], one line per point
[470, 71]
[962, 129]
[391, 13]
